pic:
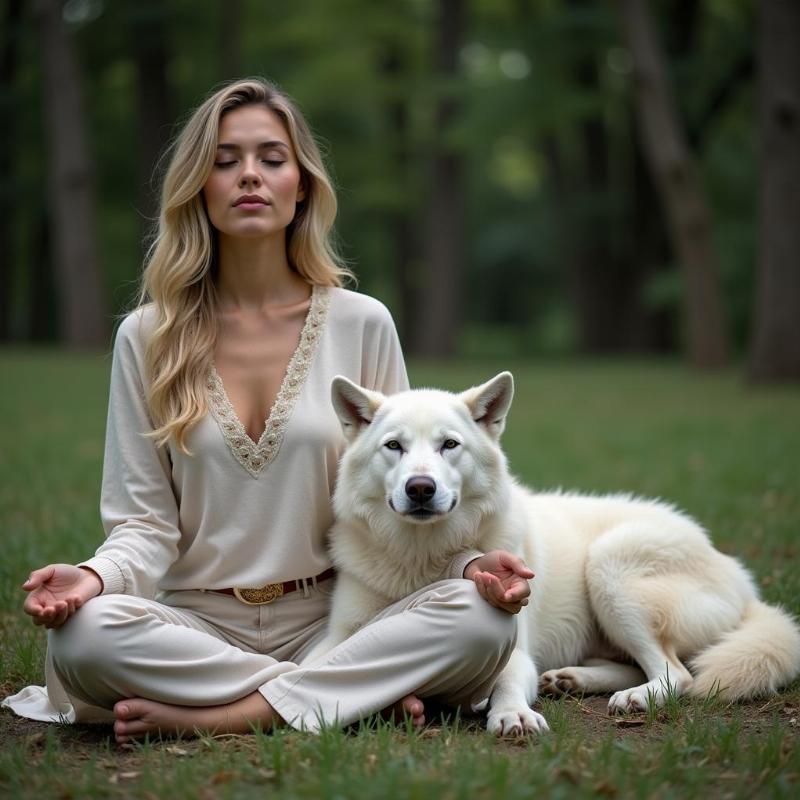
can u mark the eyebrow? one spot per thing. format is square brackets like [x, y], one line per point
[261, 146]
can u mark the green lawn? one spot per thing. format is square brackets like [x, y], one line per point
[727, 453]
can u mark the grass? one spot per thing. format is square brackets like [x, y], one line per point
[727, 453]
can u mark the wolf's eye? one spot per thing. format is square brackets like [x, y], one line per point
[393, 444]
[449, 444]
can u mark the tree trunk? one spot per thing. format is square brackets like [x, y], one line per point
[436, 331]
[230, 39]
[776, 345]
[402, 230]
[682, 196]
[604, 290]
[82, 302]
[148, 28]
[656, 327]
[43, 311]
[9, 63]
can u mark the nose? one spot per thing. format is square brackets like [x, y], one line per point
[420, 489]
[249, 174]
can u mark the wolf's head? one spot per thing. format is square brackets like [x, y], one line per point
[422, 456]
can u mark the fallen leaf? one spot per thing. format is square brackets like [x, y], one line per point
[629, 723]
[35, 740]
[606, 789]
[267, 774]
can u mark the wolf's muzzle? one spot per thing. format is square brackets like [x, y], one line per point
[420, 489]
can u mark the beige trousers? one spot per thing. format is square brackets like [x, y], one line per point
[200, 648]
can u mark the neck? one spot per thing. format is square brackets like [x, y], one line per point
[255, 272]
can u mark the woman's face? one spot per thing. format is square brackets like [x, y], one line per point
[254, 185]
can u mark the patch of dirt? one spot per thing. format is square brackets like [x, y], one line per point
[81, 742]
[755, 717]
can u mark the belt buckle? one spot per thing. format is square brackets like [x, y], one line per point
[259, 596]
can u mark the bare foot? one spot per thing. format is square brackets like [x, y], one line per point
[137, 717]
[411, 705]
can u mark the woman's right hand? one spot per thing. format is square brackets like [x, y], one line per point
[57, 591]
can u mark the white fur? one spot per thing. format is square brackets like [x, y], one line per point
[626, 589]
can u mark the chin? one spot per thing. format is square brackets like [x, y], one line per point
[422, 517]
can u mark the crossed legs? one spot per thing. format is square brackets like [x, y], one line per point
[167, 669]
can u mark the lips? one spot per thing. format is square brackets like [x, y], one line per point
[251, 201]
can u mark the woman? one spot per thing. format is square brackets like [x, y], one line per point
[242, 312]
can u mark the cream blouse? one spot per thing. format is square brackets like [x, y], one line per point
[236, 513]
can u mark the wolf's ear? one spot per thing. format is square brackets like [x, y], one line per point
[354, 406]
[489, 403]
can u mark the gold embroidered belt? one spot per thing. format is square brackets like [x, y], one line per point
[272, 591]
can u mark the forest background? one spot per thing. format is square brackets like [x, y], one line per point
[516, 177]
[527, 184]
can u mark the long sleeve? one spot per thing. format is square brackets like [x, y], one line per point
[138, 506]
[384, 368]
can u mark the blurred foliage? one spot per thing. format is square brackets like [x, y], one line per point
[347, 63]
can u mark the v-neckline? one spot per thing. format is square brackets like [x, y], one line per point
[255, 456]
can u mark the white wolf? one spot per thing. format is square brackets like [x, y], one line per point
[629, 598]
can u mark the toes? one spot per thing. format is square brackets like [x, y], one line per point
[536, 723]
[133, 730]
[629, 701]
[124, 709]
[522, 722]
[548, 683]
[410, 706]
[413, 706]
[558, 682]
[618, 703]
[637, 704]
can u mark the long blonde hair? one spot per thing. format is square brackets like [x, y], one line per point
[180, 267]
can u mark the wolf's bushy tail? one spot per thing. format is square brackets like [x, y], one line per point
[757, 658]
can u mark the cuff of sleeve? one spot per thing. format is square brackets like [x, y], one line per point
[459, 563]
[109, 572]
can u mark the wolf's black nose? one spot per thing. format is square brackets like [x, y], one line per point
[420, 489]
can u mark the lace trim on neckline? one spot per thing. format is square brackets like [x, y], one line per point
[255, 456]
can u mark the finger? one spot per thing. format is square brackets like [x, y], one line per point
[481, 585]
[75, 601]
[514, 608]
[61, 617]
[516, 564]
[51, 620]
[33, 605]
[38, 577]
[494, 587]
[517, 591]
[48, 613]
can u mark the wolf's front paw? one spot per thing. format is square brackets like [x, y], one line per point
[559, 681]
[516, 722]
[637, 699]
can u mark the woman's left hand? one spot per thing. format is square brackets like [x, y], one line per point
[501, 579]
